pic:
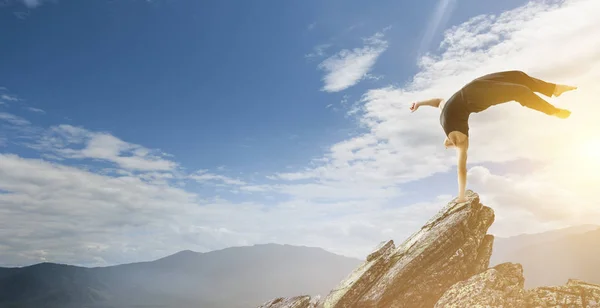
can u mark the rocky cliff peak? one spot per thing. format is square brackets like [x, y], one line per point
[444, 264]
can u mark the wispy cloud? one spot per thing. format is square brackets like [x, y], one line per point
[10, 98]
[33, 3]
[318, 51]
[13, 119]
[36, 110]
[66, 141]
[204, 176]
[348, 67]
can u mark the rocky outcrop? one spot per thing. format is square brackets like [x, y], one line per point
[500, 286]
[444, 264]
[575, 293]
[450, 247]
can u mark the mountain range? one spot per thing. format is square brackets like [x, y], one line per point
[248, 276]
[551, 258]
[228, 278]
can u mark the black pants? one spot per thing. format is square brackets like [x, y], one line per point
[502, 87]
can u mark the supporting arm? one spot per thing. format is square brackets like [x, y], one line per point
[461, 151]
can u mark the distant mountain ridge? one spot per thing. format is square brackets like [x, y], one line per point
[553, 257]
[248, 275]
[504, 245]
[228, 278]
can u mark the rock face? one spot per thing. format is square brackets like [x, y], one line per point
[500, 286]
[575, 293]
[449, 248]
[444, 264]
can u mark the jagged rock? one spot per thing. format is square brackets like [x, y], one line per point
[503, 287]
[450, 247]
[445, 264]
[362, 278]
[500, 286]
[293, 302]
[575, 293]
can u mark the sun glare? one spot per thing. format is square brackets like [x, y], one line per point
[591, 150]
[587, 159]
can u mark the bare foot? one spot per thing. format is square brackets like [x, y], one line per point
[561, 88]
[562, 113]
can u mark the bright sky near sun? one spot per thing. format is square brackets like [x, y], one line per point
[130, 129]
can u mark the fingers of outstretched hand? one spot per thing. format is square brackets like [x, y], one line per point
[413, 107]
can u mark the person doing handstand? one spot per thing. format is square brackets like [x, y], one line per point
[482, 93]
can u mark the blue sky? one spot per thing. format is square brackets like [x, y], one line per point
[214, 83]
[248, 97]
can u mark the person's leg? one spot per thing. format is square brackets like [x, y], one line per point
[527, 98]
[486, 93]
[535, 84]
[521, 78]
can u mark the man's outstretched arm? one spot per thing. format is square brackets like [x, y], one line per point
[435, 102]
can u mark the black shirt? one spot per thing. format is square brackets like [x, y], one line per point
[455, 114]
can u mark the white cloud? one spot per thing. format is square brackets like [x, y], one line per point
[204, 176]
[36, 110]
[65, 141]
[348, 67]
[62, 209]
[318, 51]
[79, 217]
[13, 119]
[10, 98]
[32, 3]
[556, 196]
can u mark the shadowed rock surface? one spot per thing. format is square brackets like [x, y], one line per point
[445, 264]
